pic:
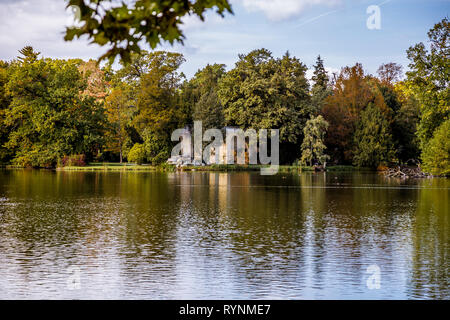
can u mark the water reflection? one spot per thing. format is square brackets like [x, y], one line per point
[222, 235]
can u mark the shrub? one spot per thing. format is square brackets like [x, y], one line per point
[157, 148]
[36, 157]
[137, 154]
[76, 160]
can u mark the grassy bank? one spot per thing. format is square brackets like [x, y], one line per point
[348, 169]
[212, 168]
[171, 168]
[116, 167]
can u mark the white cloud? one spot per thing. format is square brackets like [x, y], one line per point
[277, 10]
[193, 22]
[40, 24]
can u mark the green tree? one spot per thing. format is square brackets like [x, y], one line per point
[320, 89]
[4, 105]
[401, 110]
[429, 79]
[48, 117]
[373, 140]
[119, 112]
[206, 103]
[122, 26]
[158, 101]
[436, 156]
[264, 92]
[132, 72]
[28, 55]
[313, 147]
[320, 76]
[405, 122]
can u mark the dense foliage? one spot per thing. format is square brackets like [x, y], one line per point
[429, 81]
[54, 110]
[49, 115]
[373, 140]
[313, 147]
[436, 156]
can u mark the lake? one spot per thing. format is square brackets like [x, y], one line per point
[201, 235]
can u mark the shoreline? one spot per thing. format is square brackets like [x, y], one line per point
[116, 167]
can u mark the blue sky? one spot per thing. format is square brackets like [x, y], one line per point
[335, 29]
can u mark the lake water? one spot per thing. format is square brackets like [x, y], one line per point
[80, 235]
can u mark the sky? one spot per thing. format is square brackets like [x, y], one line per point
[335, 29]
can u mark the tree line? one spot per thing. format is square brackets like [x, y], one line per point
[54, 112]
